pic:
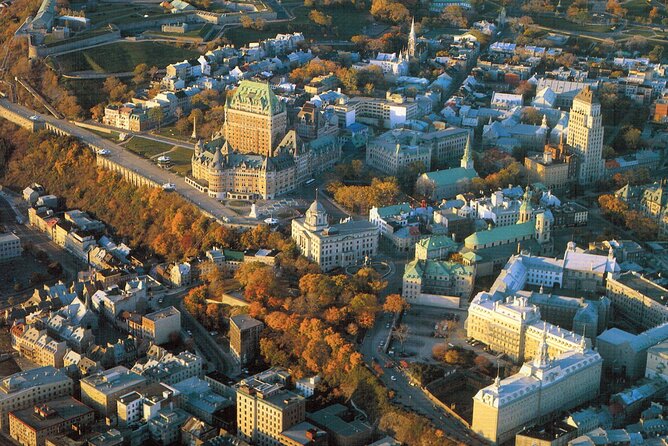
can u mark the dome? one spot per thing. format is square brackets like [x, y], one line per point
[316, 206]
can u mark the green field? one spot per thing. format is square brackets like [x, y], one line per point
[559, 23]
[89, 92]
[181, 159]
[146, 147]
[170, 132]
[114, 13]
[346, 22]
[123, 56]
[196, 32]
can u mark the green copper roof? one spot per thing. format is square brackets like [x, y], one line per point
[256, 97]
[451, 176]
[500, 234]
[233, 255]
[389, 211]
[421, 268]
[437, 242]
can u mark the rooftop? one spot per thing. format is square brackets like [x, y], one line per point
[163, 313]
[244, 321]
[50, 414]
[644, 286]
[113, 379]
[451, 176]
[331, 418]
[256, 97]
[30, 378]
[500, 234]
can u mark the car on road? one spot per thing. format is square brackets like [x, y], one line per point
[393, 378]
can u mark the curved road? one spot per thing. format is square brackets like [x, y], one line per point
[142, 166]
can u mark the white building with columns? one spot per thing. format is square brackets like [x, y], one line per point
[332, 246]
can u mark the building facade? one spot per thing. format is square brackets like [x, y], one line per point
[245, 337]
[333, 246]
[32, 426]
[265, 408]
[540, 391]
[585, 136]
[10, 247]
[25, 389]
[255, 155]
[102, 390]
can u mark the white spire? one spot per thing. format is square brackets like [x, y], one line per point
[411, 40]
[194, 135]
[467, 158]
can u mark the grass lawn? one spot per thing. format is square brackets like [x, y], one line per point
[559, 23]
[181, 159]
[146, 147]
[346, 22]
[88, 91]
[111, 136]
[171, 132]
[181, 155]
[124, 56]
[114, 13]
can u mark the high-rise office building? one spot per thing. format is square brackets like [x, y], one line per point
[585, 136]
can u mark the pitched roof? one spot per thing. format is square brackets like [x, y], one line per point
[257, 97]
[451, 176]
[500, 234]
[396, 209]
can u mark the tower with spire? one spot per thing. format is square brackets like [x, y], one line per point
[412, 42]
[467, 158]
[194, 135]
[526, 208]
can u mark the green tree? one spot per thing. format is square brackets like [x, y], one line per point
[156, 115]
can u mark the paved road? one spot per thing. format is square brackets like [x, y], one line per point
[411, 397]
[142, 166]
[207, 344]
[28, 235]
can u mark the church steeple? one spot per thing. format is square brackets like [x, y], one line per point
[412, 40]
[526, 208]
[467, 158]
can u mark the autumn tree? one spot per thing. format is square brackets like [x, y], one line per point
[156, 115]
[246, 21]
[455, 16]
[140, 74]
[394, 303]
[320, 18]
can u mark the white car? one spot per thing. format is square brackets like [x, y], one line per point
[393, 378]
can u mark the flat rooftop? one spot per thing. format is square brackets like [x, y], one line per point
[52, 413]
[644, 286]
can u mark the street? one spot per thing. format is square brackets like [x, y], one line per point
[221, 358]
[141, 166]
[411, 397]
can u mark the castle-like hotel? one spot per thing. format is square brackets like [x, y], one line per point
[255, 155]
